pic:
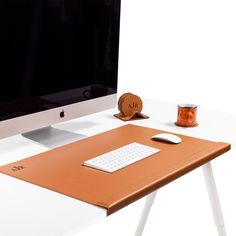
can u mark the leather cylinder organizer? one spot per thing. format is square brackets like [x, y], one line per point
[187, 115]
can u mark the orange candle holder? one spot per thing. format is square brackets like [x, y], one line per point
[187, 115]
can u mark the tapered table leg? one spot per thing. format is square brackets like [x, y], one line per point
[147, 207]
[214, 199]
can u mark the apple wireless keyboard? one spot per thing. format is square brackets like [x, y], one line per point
[121, 157]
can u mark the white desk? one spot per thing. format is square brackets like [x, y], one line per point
[26, 209]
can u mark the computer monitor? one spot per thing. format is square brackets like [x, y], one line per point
[58, 61]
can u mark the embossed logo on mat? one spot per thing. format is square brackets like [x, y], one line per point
[17, 168]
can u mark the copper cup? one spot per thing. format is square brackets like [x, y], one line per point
[187, 115]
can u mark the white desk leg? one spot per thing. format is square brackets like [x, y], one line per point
[214, 199]
[146, 209]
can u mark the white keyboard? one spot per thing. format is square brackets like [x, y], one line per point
[121, 157]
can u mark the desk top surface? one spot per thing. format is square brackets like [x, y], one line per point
[33, 210]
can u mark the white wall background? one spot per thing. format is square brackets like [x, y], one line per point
[182, 50]
[179, 51]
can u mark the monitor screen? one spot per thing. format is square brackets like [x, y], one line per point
[56, 52]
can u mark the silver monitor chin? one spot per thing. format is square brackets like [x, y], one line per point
[37, 127]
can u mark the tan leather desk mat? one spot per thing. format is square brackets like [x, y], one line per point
[62, 169]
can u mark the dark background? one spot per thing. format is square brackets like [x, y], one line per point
[49, 46]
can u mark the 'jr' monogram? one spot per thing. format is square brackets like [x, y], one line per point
[16, 168]
[133, 105]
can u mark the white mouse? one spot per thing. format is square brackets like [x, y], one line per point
[165, 137]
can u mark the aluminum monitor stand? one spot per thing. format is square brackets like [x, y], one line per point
[52, 137]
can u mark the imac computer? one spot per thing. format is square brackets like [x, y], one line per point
[59, 61]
